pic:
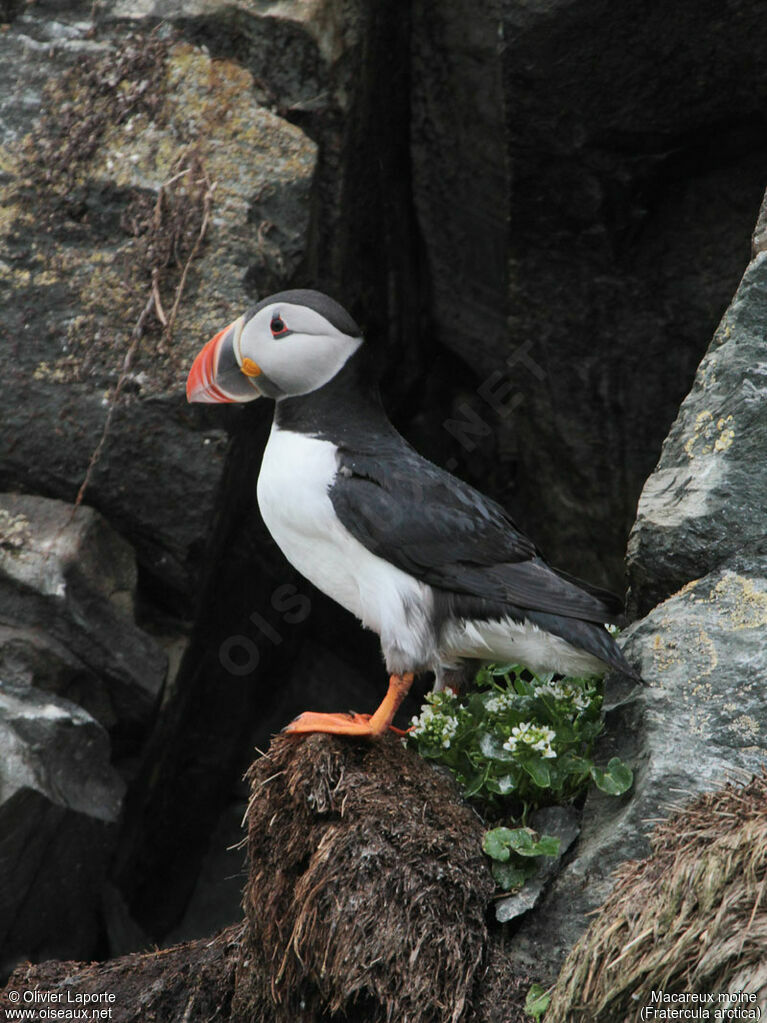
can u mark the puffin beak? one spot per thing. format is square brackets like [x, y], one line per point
[219, 375]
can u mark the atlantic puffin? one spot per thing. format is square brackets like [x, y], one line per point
[437, 569]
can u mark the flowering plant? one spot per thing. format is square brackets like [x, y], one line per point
[518, 742]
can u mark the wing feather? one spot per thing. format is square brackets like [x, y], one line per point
[445, 533]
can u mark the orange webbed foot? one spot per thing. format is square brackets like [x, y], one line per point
[368, 725]
[332, 724]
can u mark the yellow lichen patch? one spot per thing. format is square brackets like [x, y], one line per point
[700, 657]
[710, 435]
[726, 434]
[701, 432]
[209, 122]
[746, 728]
[15, 530]
[706, 377]
[666, 653]
[690, 646]
[742, 604]
[20, 278]
[209, 104]
[8, 161]
[9, 213]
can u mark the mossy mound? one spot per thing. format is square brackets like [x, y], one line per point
[691, 919]
[368, 889]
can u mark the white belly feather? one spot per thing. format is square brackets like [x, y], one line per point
[510, 642]
[293, 484]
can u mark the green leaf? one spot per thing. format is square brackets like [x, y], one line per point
[539, 771]
[548, 845]
[615, 779]
[543, 680]
[505, 669]
[501, 843]
[476, 705]
[483, 677]
[567, 732]
[474, 784]
[537, 1001]
[496, 843]
[521, 841]
[430, 750]
[512, 875]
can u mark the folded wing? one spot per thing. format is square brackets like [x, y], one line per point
[445, 533]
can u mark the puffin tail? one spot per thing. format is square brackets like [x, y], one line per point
[613, 604]
[589, 636]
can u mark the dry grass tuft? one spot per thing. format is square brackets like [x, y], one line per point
[690, 919]
[367, 890]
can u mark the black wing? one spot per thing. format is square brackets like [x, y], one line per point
[445, 533]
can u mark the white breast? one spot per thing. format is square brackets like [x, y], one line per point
[293, 484]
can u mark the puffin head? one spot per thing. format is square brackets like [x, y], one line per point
[289, 344]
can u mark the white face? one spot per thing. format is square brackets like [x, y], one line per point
[295, 348]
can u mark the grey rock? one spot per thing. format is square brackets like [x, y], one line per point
[705, 499]
[759, 237]
[521, 902]
[699, 722]
[461, 168]
[66, 574]
[59, 799]
[55, 748]
[698, 553]
[29, 656]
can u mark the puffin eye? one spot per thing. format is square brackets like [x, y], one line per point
[277, 325]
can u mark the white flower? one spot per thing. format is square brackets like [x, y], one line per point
[498, 704]
[530, 736]
[553, 689]
[435, 726]
[568, 693]
[581, 701]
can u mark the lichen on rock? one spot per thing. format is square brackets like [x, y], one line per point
[704, 501]
[146, 199]
[138, 154]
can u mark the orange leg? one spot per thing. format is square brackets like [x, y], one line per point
[357, 724]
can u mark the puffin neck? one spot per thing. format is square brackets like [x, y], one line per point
[345, 409]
